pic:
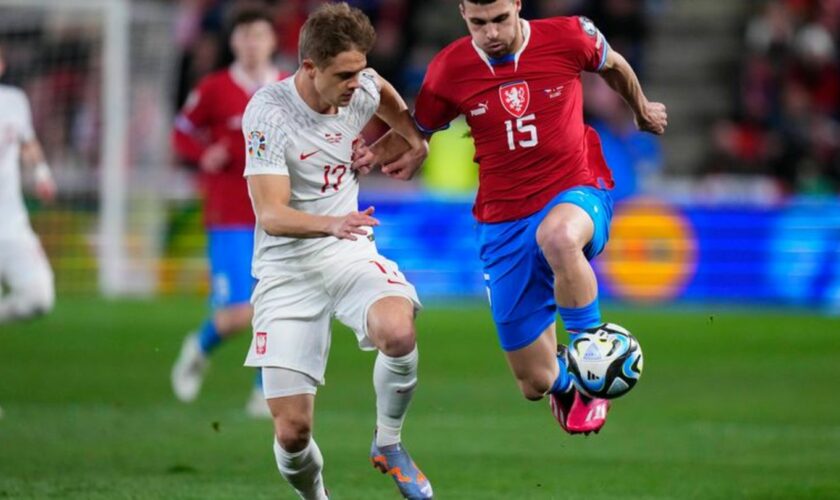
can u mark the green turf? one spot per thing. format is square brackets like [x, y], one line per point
[731, 405]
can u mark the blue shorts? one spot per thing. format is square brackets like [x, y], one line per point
[230, 251]
[520, 282]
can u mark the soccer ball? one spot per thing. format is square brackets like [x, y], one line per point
[606, 361]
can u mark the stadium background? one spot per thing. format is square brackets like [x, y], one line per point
[733, 212]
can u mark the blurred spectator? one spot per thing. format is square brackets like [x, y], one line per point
[785, 118]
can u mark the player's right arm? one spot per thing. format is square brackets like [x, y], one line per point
[432, 113]
[594, 54]
[271, 194]
[271, 189]
[650, 116]
[188, 134]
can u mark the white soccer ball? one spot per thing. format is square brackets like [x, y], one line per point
[606, 361]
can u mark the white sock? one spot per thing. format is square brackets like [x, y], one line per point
[394, 380]
[302, 470]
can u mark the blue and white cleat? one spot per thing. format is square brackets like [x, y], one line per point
[395, 461]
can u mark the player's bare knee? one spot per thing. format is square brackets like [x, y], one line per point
[558, 238]
[393, 332]
[293, 433]
[398, 339]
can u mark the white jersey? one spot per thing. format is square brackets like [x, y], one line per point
[15, 127]
[284, 136]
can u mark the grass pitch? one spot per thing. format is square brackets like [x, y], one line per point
[731, 405]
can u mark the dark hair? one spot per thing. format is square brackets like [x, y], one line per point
[479, 2]
[249, 16]
[332, 29]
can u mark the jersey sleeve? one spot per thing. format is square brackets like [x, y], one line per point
[591, 47]
[432, 110]
[265, 142]
[27, 131]
[371, 96]
[187, 137]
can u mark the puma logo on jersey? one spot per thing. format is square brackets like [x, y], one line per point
[480, 109]
[304, 156]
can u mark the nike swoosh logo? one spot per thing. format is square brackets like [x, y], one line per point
[392, 282]
[305, 156]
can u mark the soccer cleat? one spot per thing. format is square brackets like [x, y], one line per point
[257, 407]
[395, 461]
[188, 371]
[576, 412]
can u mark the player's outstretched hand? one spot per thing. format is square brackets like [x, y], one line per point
[45, 189]
[347, 227]
[362, 157]
[408, 163]
[653, 118]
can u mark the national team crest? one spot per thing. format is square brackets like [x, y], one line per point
[515, 97]
[261, 343]
[256, 144]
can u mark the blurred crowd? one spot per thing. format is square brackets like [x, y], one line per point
[784, 121]
[57, 60]
[409, 33]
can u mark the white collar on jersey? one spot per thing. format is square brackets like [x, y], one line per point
[307, 108]
[526, 37]
[249, 85]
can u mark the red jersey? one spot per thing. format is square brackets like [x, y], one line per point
[213, 113]
[525, 113]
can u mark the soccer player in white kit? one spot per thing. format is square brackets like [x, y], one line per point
[24, 270]
[314, 255]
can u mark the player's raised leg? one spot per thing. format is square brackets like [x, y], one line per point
[562, 236]
[535, 366]
[299, 459]
[230, 296]
[390, 323]
[573, 232]
[541, 368]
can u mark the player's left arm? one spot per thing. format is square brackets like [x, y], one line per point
[394, 112]
[650, 116]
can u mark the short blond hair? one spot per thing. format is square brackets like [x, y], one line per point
[332, 29]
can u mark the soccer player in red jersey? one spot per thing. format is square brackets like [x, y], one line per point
[543, 202]
[208, 134]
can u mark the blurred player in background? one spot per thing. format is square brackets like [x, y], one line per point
[543, 203]
[208, 134]
[315, 256]
[26, 279]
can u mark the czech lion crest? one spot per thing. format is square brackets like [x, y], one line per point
[515, 97]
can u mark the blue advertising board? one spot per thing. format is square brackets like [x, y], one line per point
[658, 252]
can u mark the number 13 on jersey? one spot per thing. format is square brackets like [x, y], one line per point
[522, 132]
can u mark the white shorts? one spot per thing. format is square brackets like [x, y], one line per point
[293, 310]
[25, 270]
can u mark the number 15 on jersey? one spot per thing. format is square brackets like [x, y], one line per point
[522, 132]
